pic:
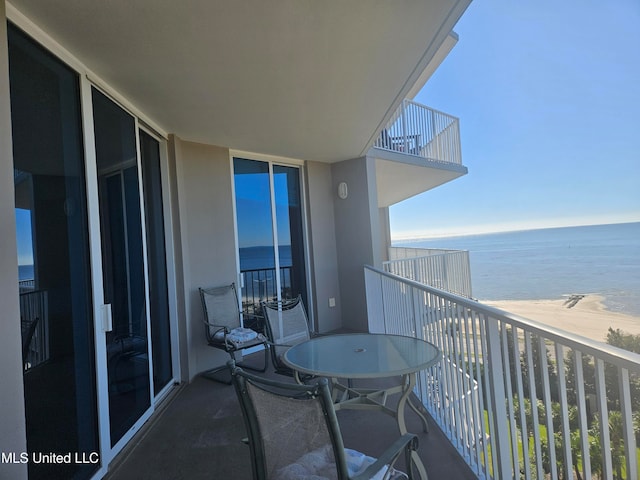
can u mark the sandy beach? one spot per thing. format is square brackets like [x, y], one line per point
[588, 317]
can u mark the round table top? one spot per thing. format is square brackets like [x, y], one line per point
[361, 355]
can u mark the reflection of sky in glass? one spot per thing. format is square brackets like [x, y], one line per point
[254, 209]
[282, 208]
[23, 236]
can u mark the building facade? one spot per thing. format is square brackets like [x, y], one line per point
[157, 148]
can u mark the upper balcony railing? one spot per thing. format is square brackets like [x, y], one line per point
[517, 398]
[444, 269]
[416, 129]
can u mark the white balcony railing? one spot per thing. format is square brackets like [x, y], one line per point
[444, 269]
[496, 366]
[416, 129]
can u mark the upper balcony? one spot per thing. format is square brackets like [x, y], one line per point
[418, 130]
[416, 151]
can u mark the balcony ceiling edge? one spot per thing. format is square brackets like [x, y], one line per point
[434, 64]
[398, 181]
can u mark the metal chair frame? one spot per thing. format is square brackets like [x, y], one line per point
[270, 310]
[319, 391]
[224, 326]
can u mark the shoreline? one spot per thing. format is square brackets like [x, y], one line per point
[581, 314]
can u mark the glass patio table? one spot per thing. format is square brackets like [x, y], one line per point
[365, 355]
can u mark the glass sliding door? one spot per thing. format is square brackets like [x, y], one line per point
[157, 262]
[286, 188]
[255, 232]
[53, 253]
[123, 266]
[269, 214]
[89, 383]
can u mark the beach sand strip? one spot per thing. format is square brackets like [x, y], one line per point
[582, 314]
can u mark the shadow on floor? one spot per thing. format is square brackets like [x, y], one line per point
[198, 435]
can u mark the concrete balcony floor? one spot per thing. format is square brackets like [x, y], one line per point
[198, 431]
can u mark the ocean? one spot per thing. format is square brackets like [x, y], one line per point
[25, 272]
[529, 264]
[553, 262]
[256, 258]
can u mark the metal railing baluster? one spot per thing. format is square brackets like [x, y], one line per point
[490, 358]
[415, 129]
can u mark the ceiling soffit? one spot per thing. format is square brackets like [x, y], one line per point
[398, 181]
[301, 79]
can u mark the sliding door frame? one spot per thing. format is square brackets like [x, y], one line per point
[87, 81]
[170, 257]
[272, 161]
[108, 451]
[101, 311]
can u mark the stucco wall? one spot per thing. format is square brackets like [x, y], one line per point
[322, 245]
[357, 236]
[207, 240]
[385, 233]
[12, 423]
[206, 249]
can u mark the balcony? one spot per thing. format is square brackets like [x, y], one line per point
[444, 269]
[415, 129]
[482, 424]
[558, 388]
[417, 150]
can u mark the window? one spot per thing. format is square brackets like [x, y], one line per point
[269, 214]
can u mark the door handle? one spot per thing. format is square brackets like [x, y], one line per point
[107, 318]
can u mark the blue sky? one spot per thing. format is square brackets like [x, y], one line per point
[253, 206]
[548, 96]
[24, 239]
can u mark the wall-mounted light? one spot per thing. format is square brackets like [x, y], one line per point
[343, 190]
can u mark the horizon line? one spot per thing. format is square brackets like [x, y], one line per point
[505, 229]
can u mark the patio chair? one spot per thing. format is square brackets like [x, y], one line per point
[223, 328]
[28, 329]
[286, 325]
[294, 434]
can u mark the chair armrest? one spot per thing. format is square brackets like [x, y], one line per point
[274, 344]
[407, 442]
[221, 328]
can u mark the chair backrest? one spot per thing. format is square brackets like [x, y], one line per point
[28, 328]
[286, 325]
[220, 305]
[291, 428]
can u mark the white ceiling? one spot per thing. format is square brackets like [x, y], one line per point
[308, 79]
